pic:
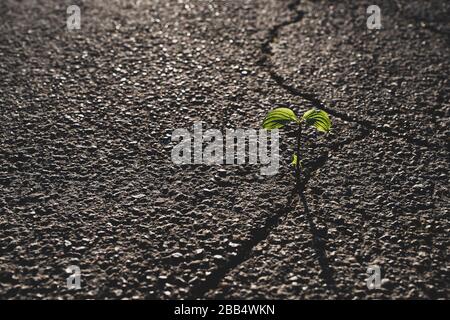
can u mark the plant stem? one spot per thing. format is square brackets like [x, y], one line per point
[297, 152]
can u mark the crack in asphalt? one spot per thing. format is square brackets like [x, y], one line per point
[345, 117]
[244, 253]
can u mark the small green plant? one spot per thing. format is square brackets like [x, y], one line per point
[279, 117]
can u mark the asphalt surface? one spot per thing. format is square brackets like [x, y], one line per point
[86, 176]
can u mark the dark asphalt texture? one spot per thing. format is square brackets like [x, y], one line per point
[86, 177]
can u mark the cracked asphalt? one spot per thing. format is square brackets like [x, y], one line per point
[86, 176]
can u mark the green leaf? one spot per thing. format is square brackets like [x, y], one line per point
[278, 118]
[319, 119]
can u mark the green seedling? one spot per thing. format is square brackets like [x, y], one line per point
[279, 117]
